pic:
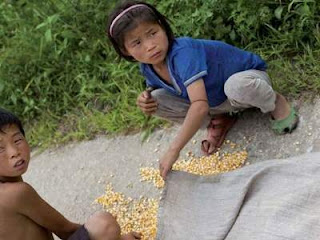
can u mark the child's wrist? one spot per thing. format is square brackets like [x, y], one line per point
[174, 148]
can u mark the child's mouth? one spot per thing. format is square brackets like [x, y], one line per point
[19, 163]
[157, 54]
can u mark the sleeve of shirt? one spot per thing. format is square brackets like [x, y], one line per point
[150, 84]
[242, 59]
[190, 64]
[258, 63]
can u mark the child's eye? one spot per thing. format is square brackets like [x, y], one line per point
[1, 149]
[153, 33]
[18, 140]
[137, 43]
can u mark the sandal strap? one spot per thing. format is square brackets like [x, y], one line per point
[216, 135]
[286, 125]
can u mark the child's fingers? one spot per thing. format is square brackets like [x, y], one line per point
[163, 171]
[164, 174]
[148, 105]
[146, 94]
[148, 100]
[136, 235]
[148, 108]
[141, 99]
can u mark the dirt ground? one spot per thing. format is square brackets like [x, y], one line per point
[71, 177]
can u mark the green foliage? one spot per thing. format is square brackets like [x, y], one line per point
[247, 22]
[55, 58]
[61, 75]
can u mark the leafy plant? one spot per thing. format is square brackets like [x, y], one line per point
[59, 73]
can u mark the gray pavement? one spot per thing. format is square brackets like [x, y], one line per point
[71, 177]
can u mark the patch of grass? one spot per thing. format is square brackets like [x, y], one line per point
[59, 73]
[294, 78]
[85, 124]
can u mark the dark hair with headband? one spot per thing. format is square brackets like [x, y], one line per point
[8, 118]
[127, 17]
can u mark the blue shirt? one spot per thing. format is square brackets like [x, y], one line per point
[190, 59]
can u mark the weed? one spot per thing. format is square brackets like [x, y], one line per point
[60, 74]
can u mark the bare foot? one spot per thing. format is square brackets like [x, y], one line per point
[217, 131]
[282, 109]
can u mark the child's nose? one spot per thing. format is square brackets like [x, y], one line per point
[150, 45]
[13, 151]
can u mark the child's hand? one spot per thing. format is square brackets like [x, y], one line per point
[146, 103]
[166, 162]
[131, 236]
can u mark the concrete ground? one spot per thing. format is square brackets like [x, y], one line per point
[71, 177]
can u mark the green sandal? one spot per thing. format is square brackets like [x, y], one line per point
[286, 125]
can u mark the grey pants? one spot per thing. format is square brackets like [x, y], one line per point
[247, 89]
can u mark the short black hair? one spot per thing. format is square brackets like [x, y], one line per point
[8, 118]
[131, 20]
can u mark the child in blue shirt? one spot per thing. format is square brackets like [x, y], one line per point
[192, 81]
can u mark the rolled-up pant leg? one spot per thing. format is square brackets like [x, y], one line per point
[251, 88]
[247, 89]
[174, 108]
[170, 107]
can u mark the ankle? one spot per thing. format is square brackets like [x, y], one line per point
[282, 108]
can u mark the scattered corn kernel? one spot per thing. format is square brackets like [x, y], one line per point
[132, 215]
[149, 174]
[130, 185]
[189, 154]
[140, 214]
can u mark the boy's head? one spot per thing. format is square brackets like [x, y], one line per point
[14, 149]
[127, 16]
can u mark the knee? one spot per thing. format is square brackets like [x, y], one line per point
[103, 225]
[159, 94]
[237, 86]
[244, 88]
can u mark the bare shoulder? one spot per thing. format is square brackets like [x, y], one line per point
[16, 199]
[14, 194]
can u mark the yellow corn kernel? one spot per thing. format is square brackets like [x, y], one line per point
[140, 214]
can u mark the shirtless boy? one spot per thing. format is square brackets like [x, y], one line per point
[24, 215]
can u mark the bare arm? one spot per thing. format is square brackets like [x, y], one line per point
[29, 203]
[198, 110]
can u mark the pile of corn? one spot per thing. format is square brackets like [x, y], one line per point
[213, 164]
[140, 215]
[149, 174]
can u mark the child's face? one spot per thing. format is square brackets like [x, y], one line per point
[147, 43]
[14, 153]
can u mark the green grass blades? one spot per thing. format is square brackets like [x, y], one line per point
[59, 73]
